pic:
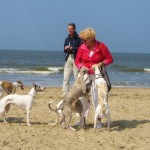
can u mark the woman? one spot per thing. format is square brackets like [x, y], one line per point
[89, 53]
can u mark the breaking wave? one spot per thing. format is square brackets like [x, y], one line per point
[127, 69]
[40, 70]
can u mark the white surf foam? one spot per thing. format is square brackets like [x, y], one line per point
[147, 69]
[50, 70]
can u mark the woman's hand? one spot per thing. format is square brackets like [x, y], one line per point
[83, 67]
[100, 64]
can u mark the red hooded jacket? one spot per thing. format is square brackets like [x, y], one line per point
[86, 58]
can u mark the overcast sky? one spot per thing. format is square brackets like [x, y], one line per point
[123, 25]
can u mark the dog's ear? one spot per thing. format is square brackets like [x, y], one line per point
[83, 88]
[34, 85]
[93, 67]
[19, 82]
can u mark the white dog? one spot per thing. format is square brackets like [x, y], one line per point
[24, 102]
[102, 109]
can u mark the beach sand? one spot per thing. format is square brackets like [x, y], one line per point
[130, 127]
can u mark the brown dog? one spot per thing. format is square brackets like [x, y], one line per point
[10, 88]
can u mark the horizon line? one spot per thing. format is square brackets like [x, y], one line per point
[63, 51]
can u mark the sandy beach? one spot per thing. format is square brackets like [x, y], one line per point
[130, 127]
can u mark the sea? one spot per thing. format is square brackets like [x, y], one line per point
[46, 68]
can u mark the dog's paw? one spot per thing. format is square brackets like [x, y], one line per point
[5, 121]
[28, 124]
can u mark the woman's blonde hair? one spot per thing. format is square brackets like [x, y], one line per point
[88, 33]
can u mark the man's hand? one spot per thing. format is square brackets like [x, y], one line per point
[67, 47]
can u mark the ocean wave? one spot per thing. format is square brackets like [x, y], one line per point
[135, 70]
[40, 70]
[127, 69]
[147, 69]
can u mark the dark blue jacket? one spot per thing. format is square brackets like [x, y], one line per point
[75, 42]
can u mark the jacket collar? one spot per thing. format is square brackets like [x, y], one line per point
[84, 47]
[74, 36]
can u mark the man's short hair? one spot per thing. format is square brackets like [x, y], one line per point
[72, 24]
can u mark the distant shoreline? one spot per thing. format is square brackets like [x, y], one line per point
[63, 52]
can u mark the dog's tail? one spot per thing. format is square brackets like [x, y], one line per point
[52, 124]
[49, 106]
[55, 110]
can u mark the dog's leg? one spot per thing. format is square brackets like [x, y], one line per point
[4, 118]
[52, 124]
[7, 108]
[108, 116]
[82, 119]
[95, 121]
[69, 118]
[97, 112]
[28, 117]
[63, 121]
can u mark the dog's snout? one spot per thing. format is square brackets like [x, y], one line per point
[22, 87]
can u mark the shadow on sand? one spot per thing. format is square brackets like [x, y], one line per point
[20, 120]
[120, 125]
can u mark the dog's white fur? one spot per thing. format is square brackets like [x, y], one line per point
[102, 109]
[24, 102]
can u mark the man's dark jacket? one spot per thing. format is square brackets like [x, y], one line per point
[75, 42]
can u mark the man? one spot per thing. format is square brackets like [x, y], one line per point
[72, 42]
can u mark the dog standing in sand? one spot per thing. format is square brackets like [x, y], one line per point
[71, 102]
[10, 88]
[102, 109]
[83, 103]
[24, 102]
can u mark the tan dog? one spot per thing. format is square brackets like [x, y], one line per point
[71, 101]
[102, 109]
[82, 106]
[10, 88]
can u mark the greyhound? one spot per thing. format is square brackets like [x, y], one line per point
[102, 109]
[24, 102]
[71, 101]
